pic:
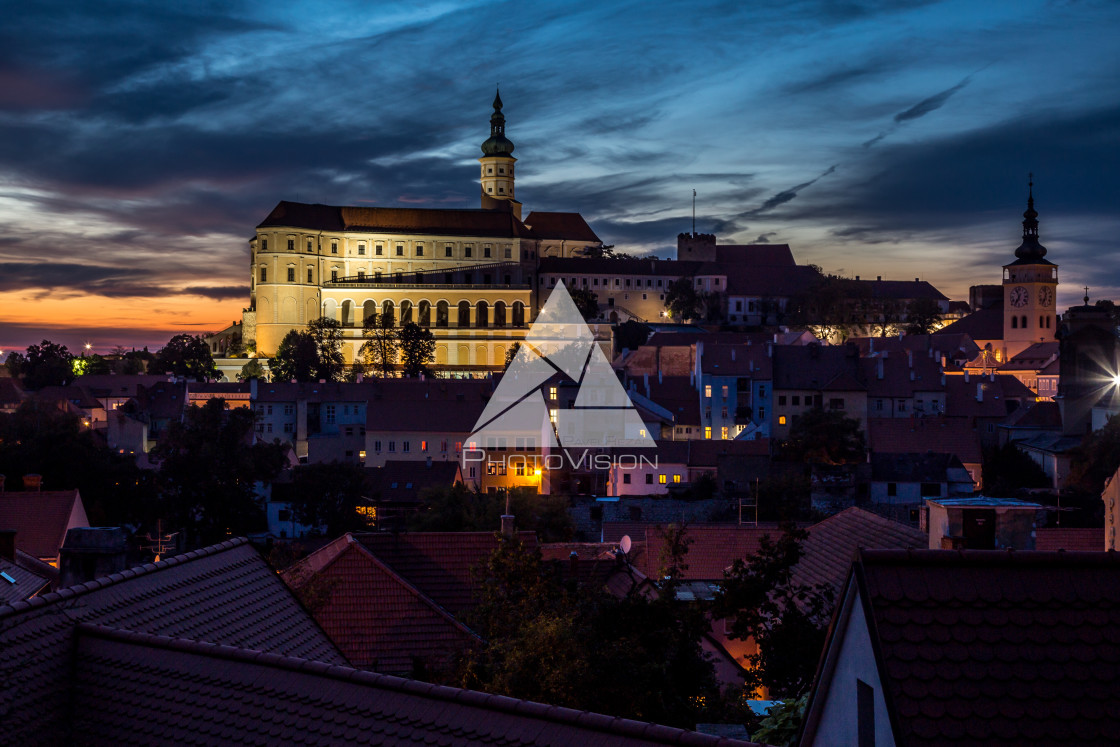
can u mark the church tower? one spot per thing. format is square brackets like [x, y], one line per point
[1029, 290]
[497, 165]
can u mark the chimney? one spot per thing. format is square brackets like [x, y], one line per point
[573, 563]
[879, 369]
[857, 277]
[8, 544]
[879, 278]
[979, 392]
[33, 481]
[507, 526]
[92, 552]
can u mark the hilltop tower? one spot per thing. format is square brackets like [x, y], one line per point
[1030, 286]
[497, 165]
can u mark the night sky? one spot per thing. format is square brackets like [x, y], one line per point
[140, 143]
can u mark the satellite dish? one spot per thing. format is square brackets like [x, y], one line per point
[624, 543]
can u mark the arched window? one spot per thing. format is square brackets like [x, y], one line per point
[464, 313]
[518, 314]
[425, 314]
[347, 313]
[483, 316]
[1041, 322]
[1023, 321]
[1014, 322]
[406, 312]
[369, 308]
[499, 314]
[388, 312]
[442, 314]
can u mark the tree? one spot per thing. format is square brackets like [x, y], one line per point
[379, 351]
[186, 355]
[461, 509]
[604, 252]
[788, 620]
[329, 495]
[683, 300]
[97, 365]
[417, 348]
[1008, 471]
[586, 301]
[208, 466]
[512, 353]
[40, 438]
[553, 642]
[825, 436]
[251, 370]
[296, 359]
[327, 334]
[923, 315]
[631, 335]
[45, 364]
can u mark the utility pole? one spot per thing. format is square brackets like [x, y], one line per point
[694, 216]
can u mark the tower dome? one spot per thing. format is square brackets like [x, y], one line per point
[497, 144]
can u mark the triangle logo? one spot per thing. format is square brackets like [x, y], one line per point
[560, 342]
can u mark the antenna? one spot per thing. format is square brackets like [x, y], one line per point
[694, 212]
[624, 544]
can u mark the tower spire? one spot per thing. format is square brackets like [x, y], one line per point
[1030, 249]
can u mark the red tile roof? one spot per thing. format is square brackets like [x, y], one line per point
[134, 688]
[1073, 539]
[376, 618]
[813, 367]
[940, 435]
[224, 594]
[995, 648]
[482, 223]
[41, 519]
[440, 564]
[569, 226]
[712, 551]
[983, 325]
[10, 393]
[826, 555]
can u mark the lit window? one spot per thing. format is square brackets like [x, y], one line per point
[781, 420]
[423, 446]
[552, 392]
[723, 433]
[661, 479]
[362, 455]
[708, 391]
[552, 416]
[676, 478]
[707, 431]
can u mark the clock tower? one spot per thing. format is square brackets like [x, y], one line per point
[1030, 285]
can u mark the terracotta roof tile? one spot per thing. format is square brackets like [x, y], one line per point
[440, 222]
[41, 519]
[224, 594]
[1073, 539]
[439, 564]
[985, 324]
[940, 435]
[1023, 642]
[376, 618]
[133, 688]
[570, 226]
[827, 554]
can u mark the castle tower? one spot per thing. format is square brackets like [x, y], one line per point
[1030, 286]
[497, 165]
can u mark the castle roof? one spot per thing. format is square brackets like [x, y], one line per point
[498, 224]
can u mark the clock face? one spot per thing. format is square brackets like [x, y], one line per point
[1019, 296]
[1046, 296]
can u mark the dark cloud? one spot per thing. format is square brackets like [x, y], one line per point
[787, 194]
[931, 104]
[218, 293]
